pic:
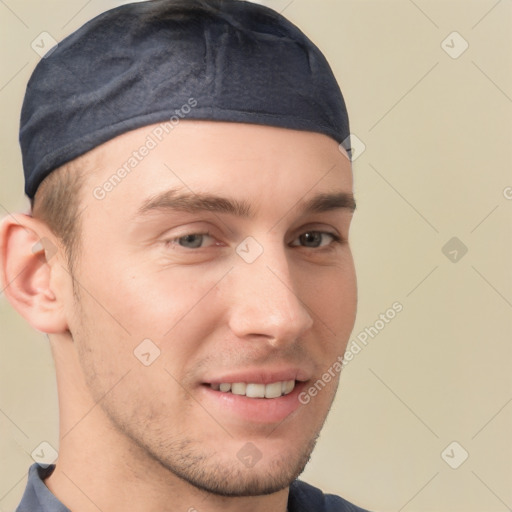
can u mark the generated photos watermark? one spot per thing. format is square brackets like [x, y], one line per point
[157, 135]
[354, 347]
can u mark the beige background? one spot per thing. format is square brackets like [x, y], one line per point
[437, 165]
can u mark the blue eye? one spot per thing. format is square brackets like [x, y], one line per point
[193, 240]
[314, 239]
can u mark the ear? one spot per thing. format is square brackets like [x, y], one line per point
[30, 256]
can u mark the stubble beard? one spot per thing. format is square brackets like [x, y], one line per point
[184, 457]
[211, 473]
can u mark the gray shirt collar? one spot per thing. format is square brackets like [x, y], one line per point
[37, 497]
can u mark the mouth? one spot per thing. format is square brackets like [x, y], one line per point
[256, 390]
[258, 396]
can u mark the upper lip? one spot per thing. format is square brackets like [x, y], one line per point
[261, 376]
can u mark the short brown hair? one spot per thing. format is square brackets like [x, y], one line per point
[57, 203]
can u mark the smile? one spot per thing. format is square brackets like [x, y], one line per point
[254, 390]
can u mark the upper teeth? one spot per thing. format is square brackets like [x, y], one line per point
[272, 390]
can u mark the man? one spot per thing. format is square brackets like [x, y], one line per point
[187, 254]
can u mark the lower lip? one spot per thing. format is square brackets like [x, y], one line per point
[254, 410]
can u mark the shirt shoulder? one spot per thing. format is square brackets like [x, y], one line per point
[304, 497]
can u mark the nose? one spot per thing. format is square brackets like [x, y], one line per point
[265, 301]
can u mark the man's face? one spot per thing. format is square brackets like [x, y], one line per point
[253, 288]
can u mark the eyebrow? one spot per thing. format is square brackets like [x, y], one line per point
[194, 203]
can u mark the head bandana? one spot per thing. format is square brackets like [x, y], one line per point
[142, 63]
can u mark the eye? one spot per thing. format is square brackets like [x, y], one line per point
[192, 240]
[314, 239]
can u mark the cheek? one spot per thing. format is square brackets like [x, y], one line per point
[124, 357]
[331, 294]
[333, 300]
[151, 302]
[136, 317]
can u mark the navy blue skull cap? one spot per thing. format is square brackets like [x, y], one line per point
[143, 63]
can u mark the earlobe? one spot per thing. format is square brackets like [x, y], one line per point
[28, 256]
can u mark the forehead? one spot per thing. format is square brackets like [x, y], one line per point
[219, 157]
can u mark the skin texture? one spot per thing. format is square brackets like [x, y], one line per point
[153, 437]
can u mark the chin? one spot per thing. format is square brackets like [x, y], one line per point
[235, 480]
[226, 475]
